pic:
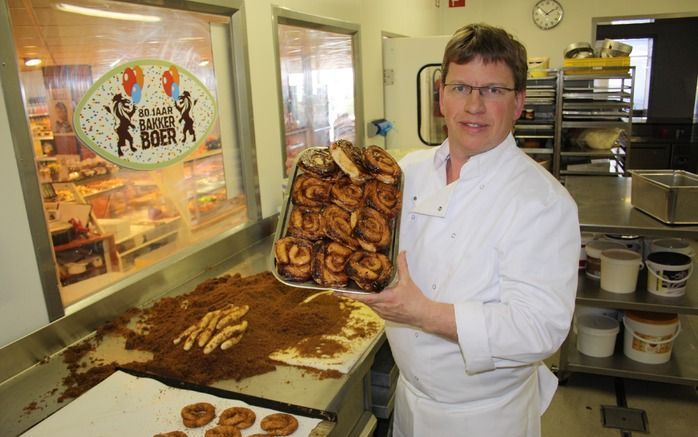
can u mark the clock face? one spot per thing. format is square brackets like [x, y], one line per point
[547, 14]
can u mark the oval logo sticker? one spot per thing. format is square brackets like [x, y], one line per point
[145, 114]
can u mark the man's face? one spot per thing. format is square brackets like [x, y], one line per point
[478, 123]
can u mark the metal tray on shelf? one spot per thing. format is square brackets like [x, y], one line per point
[282, 225]
[670, 196]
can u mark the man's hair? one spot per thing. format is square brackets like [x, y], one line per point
[491, 44]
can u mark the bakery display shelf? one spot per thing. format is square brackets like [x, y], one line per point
[147, 243]
[104, 191]
[681, 369]
[222, 211]
[207, 154]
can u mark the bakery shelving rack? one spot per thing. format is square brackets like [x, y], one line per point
[535, 129]
[604, 207]
[599, 98]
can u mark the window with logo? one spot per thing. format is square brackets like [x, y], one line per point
[133, 125]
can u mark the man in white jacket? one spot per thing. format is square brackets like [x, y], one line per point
[489, 249]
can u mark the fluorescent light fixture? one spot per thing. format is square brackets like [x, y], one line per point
[32, 62]
[92, 12]
[203, 62]
[113, 64]
[633, 21]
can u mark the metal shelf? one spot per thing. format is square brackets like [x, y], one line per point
[604, 206]
[682, 368]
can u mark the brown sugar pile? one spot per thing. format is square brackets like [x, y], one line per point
[277, 319]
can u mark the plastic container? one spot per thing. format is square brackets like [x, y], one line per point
[668, 273]
[583, 310]
[593, 250]
[649, 337]
[596, 336]
[586, 237]
[677, 245]
[632, 242]
[620, 269]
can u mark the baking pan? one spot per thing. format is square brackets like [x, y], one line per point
[282, 225]
[670, 196]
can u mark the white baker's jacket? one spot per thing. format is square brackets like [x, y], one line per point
[501, 243]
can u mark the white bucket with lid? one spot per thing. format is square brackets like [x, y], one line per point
[596, 335]
[620, 269]
[593, 250]
[649, 337]
[632, 242]
[668, 273]
[677, 245]
[586, 237]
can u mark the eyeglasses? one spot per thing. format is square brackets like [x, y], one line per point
[489, 92]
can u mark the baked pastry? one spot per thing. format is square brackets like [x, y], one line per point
[371, 271]
[381, 165]
[346, 194]
[384, 198]
[371, 229]
[309, 191]
[319, 162]
[279, 424]
[239, 417]
[329, 259]
[336, 224]
[199, 414]
[293, 257]
[223, 431]
[305, 224]
[349, 158]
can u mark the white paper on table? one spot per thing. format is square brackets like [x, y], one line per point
[361, 316]
[124, 404]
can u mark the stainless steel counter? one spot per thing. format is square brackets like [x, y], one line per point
[348, 396]
[604, 206]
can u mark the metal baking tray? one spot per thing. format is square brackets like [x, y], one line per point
[670, 196]
[282, 225]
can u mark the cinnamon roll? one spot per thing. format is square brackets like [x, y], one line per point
[293, 258]
[329, 259]
[349, 158]
[370, 271]
[346, 194]
[371, 229]
[319, 162]
[385, 198]
[381, 165]
[336, 224]
[305, 224]
[309, 191]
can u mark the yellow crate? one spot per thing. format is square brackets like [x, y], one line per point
[595, 65]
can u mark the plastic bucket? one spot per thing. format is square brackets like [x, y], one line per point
[586, 237]
[596, 335]
[649, 337]
[677, 245]
[620, 269]
[668, 273]
[583, 310]
[632, 242]
[593, 250]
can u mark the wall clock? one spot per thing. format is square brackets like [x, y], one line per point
[547, 14]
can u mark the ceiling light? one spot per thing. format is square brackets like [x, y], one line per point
[67, 7]
[203, 62]
[32, 62]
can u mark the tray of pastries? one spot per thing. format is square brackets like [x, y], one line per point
[340, 220]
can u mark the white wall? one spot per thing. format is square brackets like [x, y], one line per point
[22, 305]
[515, 16]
